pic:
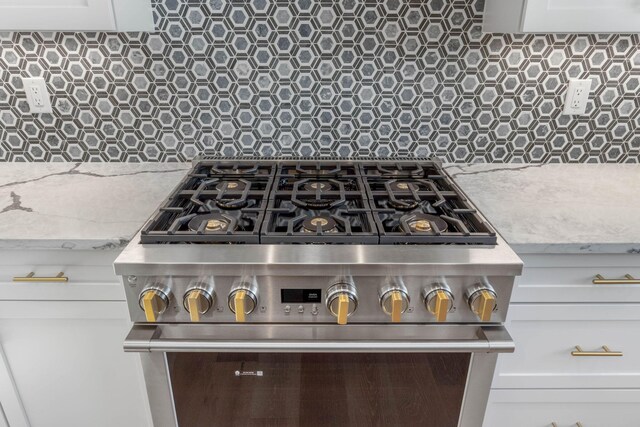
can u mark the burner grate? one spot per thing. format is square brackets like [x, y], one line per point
[317, 201]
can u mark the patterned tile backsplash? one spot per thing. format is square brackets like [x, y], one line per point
[317, 77]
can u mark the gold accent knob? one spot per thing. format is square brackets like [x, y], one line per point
[442, 306]
[153, 303]
[397, 304]
[343, 308]
[238, 301]
[485, 304]
[197, 303]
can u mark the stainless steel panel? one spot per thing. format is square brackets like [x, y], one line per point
[319, 338]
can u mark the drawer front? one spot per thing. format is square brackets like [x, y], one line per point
[546, 334]
[575, 284]
[90, 273]
[542, 408]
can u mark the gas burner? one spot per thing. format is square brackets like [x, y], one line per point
[231, 186]
[315, 195]
[213, 223]
[320, 223]
[422, 223]
[234, 168]
[321, 186]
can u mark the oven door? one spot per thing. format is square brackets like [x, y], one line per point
[318, 375]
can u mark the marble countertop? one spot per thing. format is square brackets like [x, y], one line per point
[537, 208]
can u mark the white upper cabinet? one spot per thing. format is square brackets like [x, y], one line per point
[76, 15]
[562, 16]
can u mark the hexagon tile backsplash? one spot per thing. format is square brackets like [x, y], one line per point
[316, 77]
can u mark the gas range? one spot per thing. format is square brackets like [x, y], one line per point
[316, 241]
[252, 265]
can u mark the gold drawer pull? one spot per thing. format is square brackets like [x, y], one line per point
[32, 278]
[606, 352]
[629, 280]
[555, 424]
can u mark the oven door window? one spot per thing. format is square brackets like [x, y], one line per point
[318, 389]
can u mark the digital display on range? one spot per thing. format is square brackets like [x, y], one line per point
[300, 295]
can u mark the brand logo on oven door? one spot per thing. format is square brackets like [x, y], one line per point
[249, 373]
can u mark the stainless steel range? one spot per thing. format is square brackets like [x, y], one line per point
[318, 292]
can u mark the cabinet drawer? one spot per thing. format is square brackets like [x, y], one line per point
[570, 279]
[91, 275]
[541, 408]
[546, 334]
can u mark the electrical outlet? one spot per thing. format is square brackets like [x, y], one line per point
[37, 95]
[577, 96]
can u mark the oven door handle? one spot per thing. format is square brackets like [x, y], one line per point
[488, 339]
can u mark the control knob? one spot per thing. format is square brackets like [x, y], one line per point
[482, 300]
[342, 300]
[154, 300]
[243, 299]
[394, 300]
[438, 300]
[198, 299]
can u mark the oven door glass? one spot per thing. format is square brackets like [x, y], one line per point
[318, 389]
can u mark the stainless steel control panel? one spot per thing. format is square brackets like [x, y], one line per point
[286, 299]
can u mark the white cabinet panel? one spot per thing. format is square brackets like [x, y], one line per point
[12, 413]
[575, 284]
[76, 15]
[540, 408]
[562, 16]
[546, 334]
[587, 16]
[90, 273]
[68, 364]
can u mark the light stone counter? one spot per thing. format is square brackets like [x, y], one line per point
[80, 206]
[537, 208]
[579, 208]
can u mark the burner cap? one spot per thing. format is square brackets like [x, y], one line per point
[402, 186]
[215, 223]
[315, 185]
[231, 186]
[421, 223]
[324, 223]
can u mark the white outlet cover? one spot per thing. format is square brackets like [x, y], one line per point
[577, 97]
[37, 95]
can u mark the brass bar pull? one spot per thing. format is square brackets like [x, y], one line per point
[32, 278]
[578, 352]
[578, 424]
[554, 424]
[628, 280]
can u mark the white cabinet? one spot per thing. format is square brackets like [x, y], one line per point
[62, 362]
[541, 408]
[562, 16]
[555, 307]
[76, 15]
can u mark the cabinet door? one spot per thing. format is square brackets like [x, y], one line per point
[51, 15]
[589, 16]
[68, 363]
[12, 412]
[541, 408]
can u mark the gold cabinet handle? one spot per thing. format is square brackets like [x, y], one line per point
[32, 278]
[578, 352]
[628, 280]
[555, 424]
